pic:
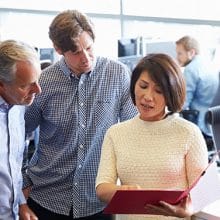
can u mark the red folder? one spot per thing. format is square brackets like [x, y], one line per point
[134, 201]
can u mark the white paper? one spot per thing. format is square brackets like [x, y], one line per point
[207, 190]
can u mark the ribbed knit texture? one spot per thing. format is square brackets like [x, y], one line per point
[166, 154]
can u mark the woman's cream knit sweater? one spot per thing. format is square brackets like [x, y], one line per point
[166, 154]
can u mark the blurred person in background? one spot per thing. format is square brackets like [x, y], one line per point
[201, 81]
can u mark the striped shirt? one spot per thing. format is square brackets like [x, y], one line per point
[11, 153]
[73, 114]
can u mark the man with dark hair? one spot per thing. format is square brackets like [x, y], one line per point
[82, 96]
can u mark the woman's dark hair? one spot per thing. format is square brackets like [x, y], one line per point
[166, 73]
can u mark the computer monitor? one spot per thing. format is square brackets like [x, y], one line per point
[128, 47]
[159, 46]
[130, 61]
[47, 54]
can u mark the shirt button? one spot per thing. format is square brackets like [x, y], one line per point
[81, 146]
[80, 166]
[83, 126]
[75, 184]
[81, 104]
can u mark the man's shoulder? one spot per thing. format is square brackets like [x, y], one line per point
[53, 68]
[111, 66]
[192, 69]
[54, 73]
[106, 59]
[110, 61]
[200, 67]
[198, 62]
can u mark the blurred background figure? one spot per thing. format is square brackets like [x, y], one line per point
[201, 83]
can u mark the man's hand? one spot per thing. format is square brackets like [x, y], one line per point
[25, 213]
[181, 210]
[26, 192]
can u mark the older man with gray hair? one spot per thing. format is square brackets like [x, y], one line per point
[19, 73]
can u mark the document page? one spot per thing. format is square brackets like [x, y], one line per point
[207, 189]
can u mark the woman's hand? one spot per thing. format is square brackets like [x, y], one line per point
[129, 187]
[181, 210]
[105, 191]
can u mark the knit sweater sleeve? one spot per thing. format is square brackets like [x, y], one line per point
[196, 157]
[107, 168]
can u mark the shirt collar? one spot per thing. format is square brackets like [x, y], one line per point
[70, 74]
[4, 106]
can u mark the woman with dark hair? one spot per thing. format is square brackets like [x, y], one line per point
[157, 149]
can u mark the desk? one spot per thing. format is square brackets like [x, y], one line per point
[211, 212]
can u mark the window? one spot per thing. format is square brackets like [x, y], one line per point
[89, 6]
[187, 9]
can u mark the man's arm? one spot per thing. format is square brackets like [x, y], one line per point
[191, 78]
[32, 118]
[128, 109]
[25, 213]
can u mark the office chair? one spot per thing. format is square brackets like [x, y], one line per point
[215, 103]
[213, 117]
[216, 100]
[190, 115]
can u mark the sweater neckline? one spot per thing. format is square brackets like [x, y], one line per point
[161, 122]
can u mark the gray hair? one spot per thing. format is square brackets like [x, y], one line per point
[11, 52]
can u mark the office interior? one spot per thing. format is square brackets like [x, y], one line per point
[125, 30]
